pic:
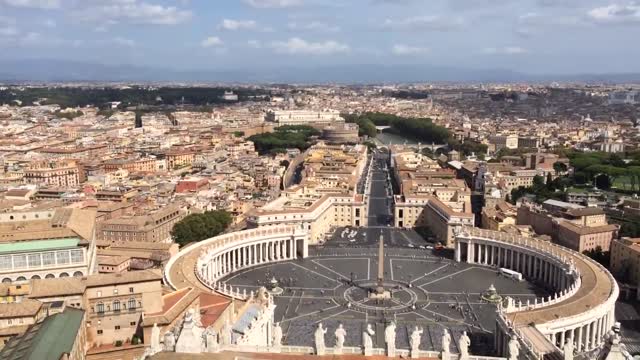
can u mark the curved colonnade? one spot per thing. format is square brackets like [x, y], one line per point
[222, 255]
[580, 312]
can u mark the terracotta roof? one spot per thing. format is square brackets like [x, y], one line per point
[587, 211]
[586, 230]
[23, 308]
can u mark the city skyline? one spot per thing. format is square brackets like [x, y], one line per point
[532, 36]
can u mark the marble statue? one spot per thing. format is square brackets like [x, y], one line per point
[225, 333]
[190, 340]
[340, 334]
[155, 339]
[446, 341]
[169, 341]
[567, 349]
[414, 341]
[367, 340]
[464, 344]
[277, 336]
[390, 339]
[514, 348]
[319, 339]
[211, 340]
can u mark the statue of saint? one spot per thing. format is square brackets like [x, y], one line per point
[514, 348]
[155, 339]
[446, 341]
[464, 344]
[340, 334]
[567, 349]
[390, 339]
[414, 342]
[367, 340]
[319, 340]
[277, 335]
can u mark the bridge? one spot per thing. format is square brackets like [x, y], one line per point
[382, 128]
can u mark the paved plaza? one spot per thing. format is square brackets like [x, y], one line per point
[331, 286]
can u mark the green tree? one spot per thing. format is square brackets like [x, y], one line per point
[602, 257]
[198, 227]
[560, 167]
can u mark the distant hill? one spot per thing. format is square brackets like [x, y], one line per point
[64, 70]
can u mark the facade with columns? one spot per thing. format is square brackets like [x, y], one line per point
[581, 310]
[227, 253]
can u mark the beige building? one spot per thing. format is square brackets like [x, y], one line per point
[317, 119]
[153, 227]
[500, 215]
[625, 262]
[61, 173]
[114, 303]
[430, 196]
[570, 225]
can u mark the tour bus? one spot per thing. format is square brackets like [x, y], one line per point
[511, 274]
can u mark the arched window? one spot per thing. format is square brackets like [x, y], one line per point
[35, 277]
[64, 274]
[132, 304]
[116, 305]
[49, 276]
[100, 308]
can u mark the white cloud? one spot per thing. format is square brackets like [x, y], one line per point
[508, 50]
[299, 46]
[273, 4]
[111, 12]
[616, 14]
[424, 23]
[403, 50]
[211, 41]
[313, 26]
[229, 24]
[33, 4]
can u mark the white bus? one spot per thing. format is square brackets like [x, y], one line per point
[511, 274]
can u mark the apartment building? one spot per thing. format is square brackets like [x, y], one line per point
[152, 227]
[61, 173]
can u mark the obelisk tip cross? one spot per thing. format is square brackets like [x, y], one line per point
[380, 288]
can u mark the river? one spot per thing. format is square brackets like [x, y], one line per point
[394, 139]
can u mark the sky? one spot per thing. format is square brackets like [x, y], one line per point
[531, 36]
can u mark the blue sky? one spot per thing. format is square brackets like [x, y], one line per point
[536, 36]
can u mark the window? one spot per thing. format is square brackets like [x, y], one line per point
[63, 257]
[5, 262]
[133, 323]
[100, 308]
[115, 291]
[117, 327]
[116, 306]
[131, 290]
[132, 304]
[77, 256]
[19, 261]
[48, 258]
[99, 332]
[34, 260]
[98, 293]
